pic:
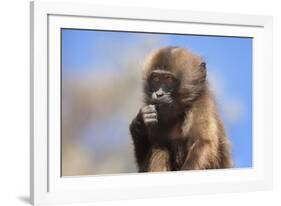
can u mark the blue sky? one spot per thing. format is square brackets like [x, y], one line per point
[229, 64]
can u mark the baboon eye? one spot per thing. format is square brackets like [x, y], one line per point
[155, 82]
[170, 83]
[155, 79]
[169, 80]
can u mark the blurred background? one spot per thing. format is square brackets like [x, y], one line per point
[102, 93]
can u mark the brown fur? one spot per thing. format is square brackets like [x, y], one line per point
[193, 134]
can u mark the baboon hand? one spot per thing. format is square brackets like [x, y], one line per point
[149, 115]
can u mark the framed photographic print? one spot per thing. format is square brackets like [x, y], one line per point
[137, 103]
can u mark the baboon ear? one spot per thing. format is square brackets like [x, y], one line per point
[203, 65]
[203, 69]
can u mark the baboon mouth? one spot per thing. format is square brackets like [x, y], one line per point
[162, 101]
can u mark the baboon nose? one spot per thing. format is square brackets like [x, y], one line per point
[159, 94]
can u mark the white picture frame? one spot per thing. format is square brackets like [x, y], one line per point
[47, 185]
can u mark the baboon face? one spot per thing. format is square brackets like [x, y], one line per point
[162, 87]
[173, 77]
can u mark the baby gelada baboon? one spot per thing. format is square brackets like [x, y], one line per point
[179, 127]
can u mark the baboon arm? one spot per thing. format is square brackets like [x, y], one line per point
[140, 141]
[199, 156]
